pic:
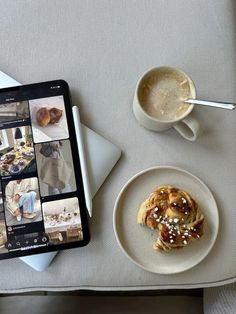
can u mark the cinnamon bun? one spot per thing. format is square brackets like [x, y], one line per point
[45, 116]
[174, 214]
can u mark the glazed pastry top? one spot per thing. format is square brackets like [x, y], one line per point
[175, 214]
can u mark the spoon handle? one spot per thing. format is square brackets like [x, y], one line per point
[217, 104]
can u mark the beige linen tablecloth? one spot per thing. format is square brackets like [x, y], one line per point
[101, 48]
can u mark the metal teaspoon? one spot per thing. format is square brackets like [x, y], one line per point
[217, 104]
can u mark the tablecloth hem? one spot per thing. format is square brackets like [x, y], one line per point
[121, 288]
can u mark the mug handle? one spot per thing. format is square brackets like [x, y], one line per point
[188, 128]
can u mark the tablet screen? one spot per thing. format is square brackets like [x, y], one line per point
[42, 203]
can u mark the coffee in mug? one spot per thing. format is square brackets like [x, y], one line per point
[163, 93]
[159, 101]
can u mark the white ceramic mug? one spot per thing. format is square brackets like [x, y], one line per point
[187, 126]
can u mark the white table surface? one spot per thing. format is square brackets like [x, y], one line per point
[101, 48]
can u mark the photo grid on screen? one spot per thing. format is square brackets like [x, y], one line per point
[36, 176]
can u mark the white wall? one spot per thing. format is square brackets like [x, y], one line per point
[57, 207]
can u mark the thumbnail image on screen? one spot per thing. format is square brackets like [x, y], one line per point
[55, 168]
[48, 118]
[3, 235]
[22, 202]
[17, 152]
[62, 220]
[15, 111]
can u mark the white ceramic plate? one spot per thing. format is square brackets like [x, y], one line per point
[136, 241]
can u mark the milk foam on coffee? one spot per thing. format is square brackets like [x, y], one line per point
[162, 94]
